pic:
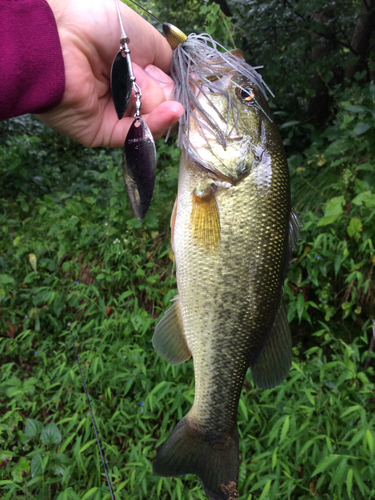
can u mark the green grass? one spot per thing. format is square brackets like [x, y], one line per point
[71, 251]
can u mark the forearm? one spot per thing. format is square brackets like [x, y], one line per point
[55, 61]
[31, 63]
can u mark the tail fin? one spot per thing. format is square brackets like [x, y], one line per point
[214, 460]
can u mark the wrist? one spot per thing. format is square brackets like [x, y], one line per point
[57, 10]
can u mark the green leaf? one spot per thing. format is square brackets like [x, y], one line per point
[243, 409]
[87, 445]
[325, 464]
[158, 490]
[336, 147]
[357, 437]
[306, 446]
[334, 209]
[73, 495]
[5, 279]
[370, 441]
[346, 306]
[57, 468]
[367, 197]
[274, 457]
[90, 200]
[67, 442]
[355, 109]
[339, 472]
[309, 396]
[5, 455]
[349, 482]
[89, 493]
[125, 295]
[36, 467]
[284, 429]
[50, 435]
[359, 480]
[32, 428]
[350, 410]
[63, 495]
[300, 306]
[266, 489]
[17, 240]
[289, 124]
[366, 166]
[361, 128]
[21, 466]
[354, 227]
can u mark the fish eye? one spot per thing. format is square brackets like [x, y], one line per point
[246, 94]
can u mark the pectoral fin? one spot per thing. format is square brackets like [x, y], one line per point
[204, 219]
[169, 339]
[274, 362]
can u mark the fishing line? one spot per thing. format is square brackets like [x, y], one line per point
[147, 12]
[92, 416]
[123, 34]
[156, 80]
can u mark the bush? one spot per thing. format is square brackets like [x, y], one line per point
[71, 251]
[333, 183]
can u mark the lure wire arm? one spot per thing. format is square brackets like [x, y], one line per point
[138, 103]
[125, 49]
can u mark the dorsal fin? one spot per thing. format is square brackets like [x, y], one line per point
[294, 235]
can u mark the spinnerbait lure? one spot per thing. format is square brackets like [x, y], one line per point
[139, 152]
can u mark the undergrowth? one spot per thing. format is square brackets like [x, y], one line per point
[72, 252]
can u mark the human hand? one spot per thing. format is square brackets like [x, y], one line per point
[90, 32]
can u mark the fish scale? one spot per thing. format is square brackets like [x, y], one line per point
[208, 297]
[232, 248]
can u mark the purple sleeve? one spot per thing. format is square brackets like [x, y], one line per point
[32, 75]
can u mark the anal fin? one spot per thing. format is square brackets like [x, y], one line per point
[169, 339]
[274, 362]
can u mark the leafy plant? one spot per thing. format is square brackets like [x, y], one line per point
[71, 251]
[334, 180]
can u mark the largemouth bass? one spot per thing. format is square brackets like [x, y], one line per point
[232, 233]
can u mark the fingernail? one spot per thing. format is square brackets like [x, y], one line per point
[140, 76]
